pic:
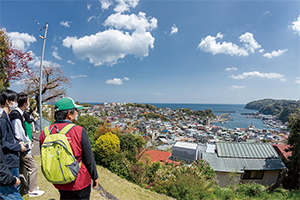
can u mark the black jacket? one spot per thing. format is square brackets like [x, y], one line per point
[6, 178]
[10, 145]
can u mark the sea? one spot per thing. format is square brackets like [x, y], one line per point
[239, 121]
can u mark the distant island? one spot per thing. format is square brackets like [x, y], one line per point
[280, 108]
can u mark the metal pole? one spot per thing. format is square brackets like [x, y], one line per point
[41, 75]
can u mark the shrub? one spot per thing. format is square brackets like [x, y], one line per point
[105, 128]
[251, 190]
[185, 182]
[107, 146]
[90, 124]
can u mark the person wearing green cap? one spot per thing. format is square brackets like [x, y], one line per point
[65, 112]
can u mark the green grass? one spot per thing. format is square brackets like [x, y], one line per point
[119, 187]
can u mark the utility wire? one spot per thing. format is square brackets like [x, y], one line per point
[25, 13]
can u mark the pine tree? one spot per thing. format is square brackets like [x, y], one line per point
[294, 160]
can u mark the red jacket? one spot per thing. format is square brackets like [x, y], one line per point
[80, 144]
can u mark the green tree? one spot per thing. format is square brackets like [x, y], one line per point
[90, 124]
[294, 160]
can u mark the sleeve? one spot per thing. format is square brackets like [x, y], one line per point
[6, 144]
[17, 124]
[87, 155]
[27, 117]
[6, 178]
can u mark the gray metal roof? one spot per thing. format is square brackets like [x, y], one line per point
[246, 150]
[222, 164]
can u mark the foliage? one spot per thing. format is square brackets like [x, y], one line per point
[131, 145]
[107, 146]
[90, 124]
[13, 62]
[186, 182]
[293, 164]
[280, 108]
[87, 105]
[106, 128]
[53, 87]
[199, 113]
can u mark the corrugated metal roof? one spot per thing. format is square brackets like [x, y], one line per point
[185, 145]
[246, 150]
[222, 164]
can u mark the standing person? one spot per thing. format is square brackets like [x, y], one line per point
[10, 146]
[7, 178]
[36, 117]
[27, 163]
[66, 113]
[27, 123]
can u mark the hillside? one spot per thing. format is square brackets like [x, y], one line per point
[280, 108]
[119, 187]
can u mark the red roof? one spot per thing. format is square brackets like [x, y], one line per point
[280, 148]
[155, 155]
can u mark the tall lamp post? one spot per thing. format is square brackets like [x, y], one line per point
[41, 74]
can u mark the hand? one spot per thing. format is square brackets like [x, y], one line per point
[95, 183]
[22, 143]
[23, 148]
[17, 182]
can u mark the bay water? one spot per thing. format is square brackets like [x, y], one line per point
[239, 121]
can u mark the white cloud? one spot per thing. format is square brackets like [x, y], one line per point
[89, 6]
[297, 80]
[296, 26]
[261, 50]
[174, 30]
[65, 23]
[237, 87]
[91, 17]
[209, 44]
[231, 69]
[21, 41]
[70, 62]
[55, 54]
[256, 74]
[267, 13]
[79, 76]
[125, 5]
[139, 22]
[251, 44]
[158, 94]
[115, 81]
[126, 78]
[111, 45]
[105, 4]
[275, 53]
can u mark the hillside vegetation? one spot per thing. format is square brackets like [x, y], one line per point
[280, 108]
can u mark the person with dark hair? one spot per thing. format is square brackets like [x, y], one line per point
[27, 163]
[36, 117]
[28, 122]
[66, 113]
[10, 146]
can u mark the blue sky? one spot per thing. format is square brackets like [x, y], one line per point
[164, 51]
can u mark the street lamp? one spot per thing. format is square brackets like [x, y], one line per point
[41, 74]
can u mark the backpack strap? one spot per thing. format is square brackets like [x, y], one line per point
[64, 130]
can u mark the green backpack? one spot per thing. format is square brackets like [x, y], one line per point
[59, 165]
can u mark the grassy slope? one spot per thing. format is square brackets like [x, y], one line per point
[113, 184]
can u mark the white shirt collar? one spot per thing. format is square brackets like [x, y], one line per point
[20, 111]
